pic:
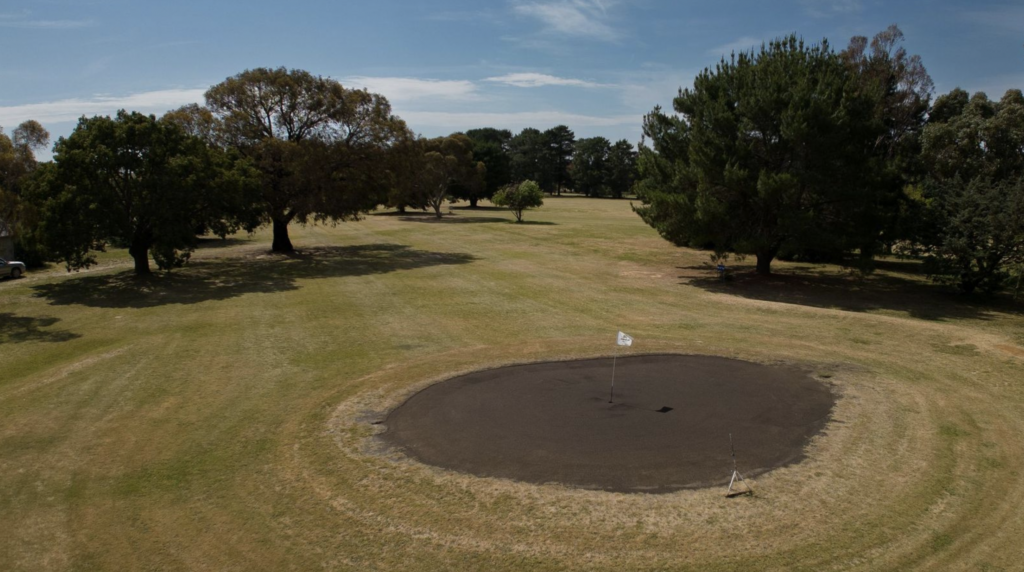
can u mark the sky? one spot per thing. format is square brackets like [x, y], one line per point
[595, 65]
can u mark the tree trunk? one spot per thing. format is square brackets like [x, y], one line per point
[281, 241]
[140, 252]
[472, 202]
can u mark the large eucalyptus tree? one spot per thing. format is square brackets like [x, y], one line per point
[321, 148]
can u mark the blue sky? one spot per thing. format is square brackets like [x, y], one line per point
[595, 65]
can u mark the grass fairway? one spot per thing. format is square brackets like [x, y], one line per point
[220, 418]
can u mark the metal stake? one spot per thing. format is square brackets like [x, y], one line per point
[611, 394]
[736, 475]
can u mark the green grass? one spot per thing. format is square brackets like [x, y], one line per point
[219, 417]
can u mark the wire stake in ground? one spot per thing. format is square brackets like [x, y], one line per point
[736, 477]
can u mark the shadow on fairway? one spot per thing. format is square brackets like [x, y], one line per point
[16, 329]
[459, 219]
[206, 280]
[808, 286]
[403, 214]
[208, 243]
[481, 209]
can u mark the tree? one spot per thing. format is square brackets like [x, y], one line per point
[448, 162]
[17, 168]
[621, 168]
[527, 155]
[560, 144]
[427, 171]
[490, 147]
[982, 233]
[773, 150]
[321, 149]
[198, 121]
[234, 207]
[900, 82]
[902, 90]
[975, 190]
[17, 157]
[405, 165]
[590, 166]
[519, 198]
[137, 182]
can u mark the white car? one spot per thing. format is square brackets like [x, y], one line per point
[11, 268]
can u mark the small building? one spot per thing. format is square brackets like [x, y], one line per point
[6, 241]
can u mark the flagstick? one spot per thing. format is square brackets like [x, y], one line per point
[611, 394]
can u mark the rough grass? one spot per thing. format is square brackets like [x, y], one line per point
[220, 418]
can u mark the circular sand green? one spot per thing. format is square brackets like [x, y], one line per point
[667, 428]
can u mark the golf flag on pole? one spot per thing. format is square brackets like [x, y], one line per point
[624, 339]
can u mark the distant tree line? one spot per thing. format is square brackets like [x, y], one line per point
[797, 151]
[269, 148]
[554, 159]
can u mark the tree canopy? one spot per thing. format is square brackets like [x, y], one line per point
[321, 148]
[17, 169]
[490, 147]
[519, 197]
[448, 162]
[773, 149]
[974, 195]
[560, 144]
[139, 183]
[528, 155]
[621, 168]
[590, 166]
[600, 169]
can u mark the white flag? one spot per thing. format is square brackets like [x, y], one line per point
[625, 340]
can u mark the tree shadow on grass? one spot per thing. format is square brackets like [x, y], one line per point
[210, 243]
[449, 219]
[459, 219]
[406, 213]
[206, 280]
[481, 208]
[535, 223]
[16, 329]
[821, 288]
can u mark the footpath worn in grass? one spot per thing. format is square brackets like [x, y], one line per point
[221, 417]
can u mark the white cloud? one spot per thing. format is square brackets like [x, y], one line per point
[474, 16]
[97, 66]
[411, 89]
[45, 24]
[156, 102]
[826, 8]
[23, 13]
[540, 80]
[583, 18]
[1008, 18]
[456, 121]
[740, 45]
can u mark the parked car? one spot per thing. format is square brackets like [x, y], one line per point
[11, 268]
